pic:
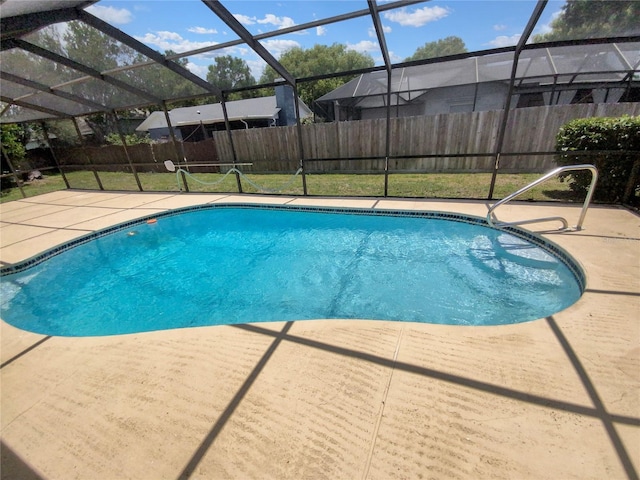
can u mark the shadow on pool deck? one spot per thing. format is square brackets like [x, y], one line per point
[13, 467]
[557, 397]
[24, 352]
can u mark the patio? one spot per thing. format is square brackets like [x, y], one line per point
[553, 398]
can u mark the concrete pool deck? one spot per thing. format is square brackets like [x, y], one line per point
[554, 398]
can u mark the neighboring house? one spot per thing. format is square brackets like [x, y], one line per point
[197, 123]
[601, 73]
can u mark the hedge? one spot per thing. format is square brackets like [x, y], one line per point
[616, 146]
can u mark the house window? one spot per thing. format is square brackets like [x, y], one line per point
[583, 95]
[530, 100]
[631, 95]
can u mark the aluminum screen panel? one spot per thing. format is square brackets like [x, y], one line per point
[33, 67]
[14, 90]
[103, 93]
[16, 113]
[159, 81]
[631, 53]
[587, 58]
[86, 45]
[495, 67]
[455, 72]
[12, 8]
[62, 105]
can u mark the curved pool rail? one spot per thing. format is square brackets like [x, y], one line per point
[493, 221]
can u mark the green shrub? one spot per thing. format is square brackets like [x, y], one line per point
[619, 141]
[131, 139]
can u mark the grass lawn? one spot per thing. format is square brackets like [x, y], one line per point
[416, 185]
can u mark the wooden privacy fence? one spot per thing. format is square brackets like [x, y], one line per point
[144, 157]
[457, 142]
[453, 142]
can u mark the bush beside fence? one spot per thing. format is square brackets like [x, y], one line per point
[618, 171]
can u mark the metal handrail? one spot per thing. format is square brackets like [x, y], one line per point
[493, 221]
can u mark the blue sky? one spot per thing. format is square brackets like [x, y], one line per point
[186, 25]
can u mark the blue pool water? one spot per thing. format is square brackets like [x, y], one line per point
[239, 264]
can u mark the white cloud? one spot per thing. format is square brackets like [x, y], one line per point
[365, 46]
[280, 22]
[278, 47]
[320, 31]
[199, 70]
[202, 30]
[244, 19]
[256, 67]
[269, 19]
[417, 18]
[499, 28]
[171, 41]
[372, 31]
[165, 35]
[394, 58]
[546, 28]
[504, 41]
[233, 51]
[117, 16]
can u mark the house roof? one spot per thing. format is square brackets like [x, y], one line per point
[567, 64]
[248, 109]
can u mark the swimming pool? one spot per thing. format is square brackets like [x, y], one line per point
[230, 264]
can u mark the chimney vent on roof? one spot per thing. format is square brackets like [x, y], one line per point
[286, 103]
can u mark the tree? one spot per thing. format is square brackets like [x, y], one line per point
[63, 131]
[165, 83]
[84, 44]
[231, 72]
[13, 138]
[592, 19]
[439, 48]
[319, 60]
[34, 67]
[130, 139]
[98, 50]
[89, 46]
